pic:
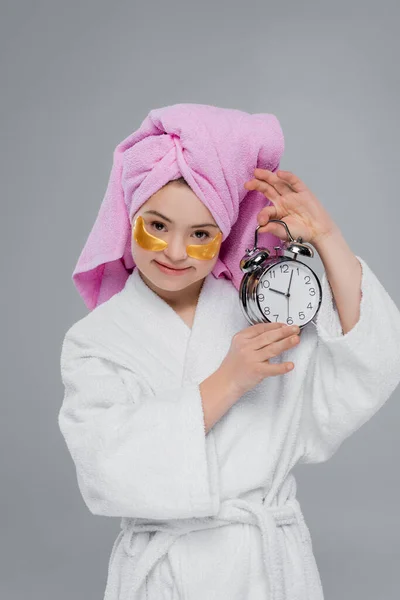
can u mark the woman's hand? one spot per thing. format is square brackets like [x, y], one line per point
[293, 203]
[247, 361]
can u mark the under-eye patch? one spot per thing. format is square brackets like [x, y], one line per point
[149, 242]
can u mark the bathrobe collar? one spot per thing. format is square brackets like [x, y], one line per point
[193, 351]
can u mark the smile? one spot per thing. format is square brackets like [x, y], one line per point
[170, 270]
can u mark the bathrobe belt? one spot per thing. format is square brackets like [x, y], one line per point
[234, 510]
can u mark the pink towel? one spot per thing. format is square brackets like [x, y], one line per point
[216, 150]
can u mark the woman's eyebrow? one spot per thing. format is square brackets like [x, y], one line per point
[155, 212]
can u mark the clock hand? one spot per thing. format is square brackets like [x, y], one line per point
[288, 294]
[290, 282]
[277, 291]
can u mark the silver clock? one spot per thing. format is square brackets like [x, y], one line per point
[279, 288]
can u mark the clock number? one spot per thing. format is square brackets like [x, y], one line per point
[265, 284]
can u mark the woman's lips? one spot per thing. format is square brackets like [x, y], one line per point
[170, 269]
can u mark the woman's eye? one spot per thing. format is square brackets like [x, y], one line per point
[205, 234]
[153, 223]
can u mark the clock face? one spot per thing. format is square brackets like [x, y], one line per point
[289, 292]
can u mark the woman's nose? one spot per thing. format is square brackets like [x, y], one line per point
[176, 249]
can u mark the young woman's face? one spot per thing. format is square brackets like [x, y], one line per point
[182, 212]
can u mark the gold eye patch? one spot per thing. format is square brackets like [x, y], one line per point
[155, 244]
[205, 251]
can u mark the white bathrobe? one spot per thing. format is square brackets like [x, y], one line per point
[213, 517]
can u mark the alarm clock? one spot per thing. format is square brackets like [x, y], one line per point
[279, 288]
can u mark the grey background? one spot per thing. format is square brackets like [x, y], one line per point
[76, 79]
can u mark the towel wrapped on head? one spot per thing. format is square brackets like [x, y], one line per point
[216, 150]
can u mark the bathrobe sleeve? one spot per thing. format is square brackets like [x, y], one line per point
[136, 454]
[352, 375]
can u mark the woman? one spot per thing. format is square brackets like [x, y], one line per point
[180, 418]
